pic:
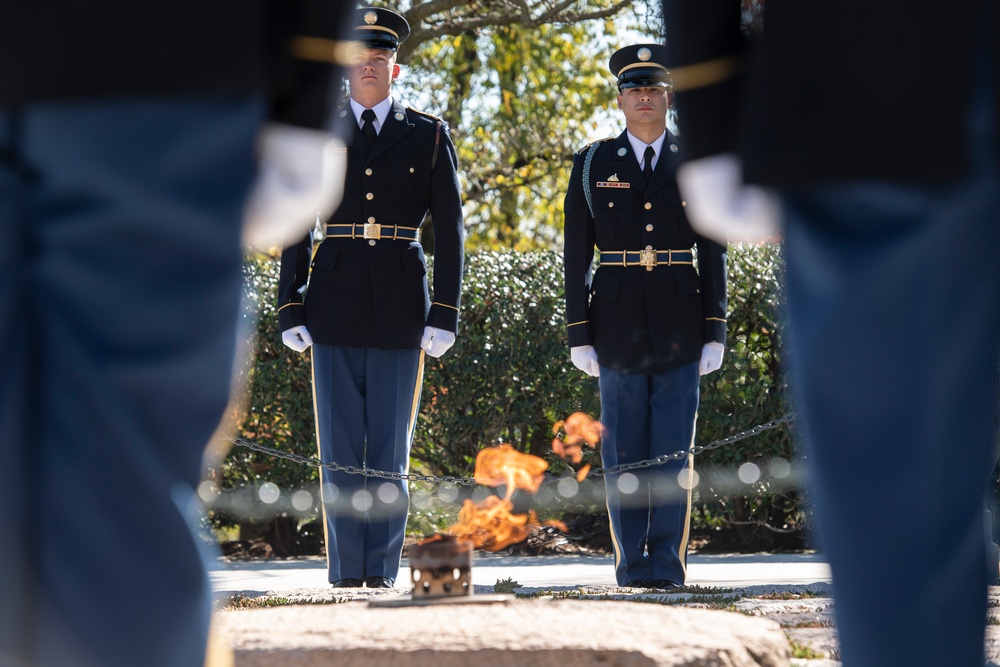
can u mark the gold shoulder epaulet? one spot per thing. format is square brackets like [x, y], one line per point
[428, 115]
[599, 141]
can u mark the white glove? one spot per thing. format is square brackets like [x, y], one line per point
[300, 176]
[585, 358]
[711, 358]
[436, 342]
[297, 338]
[721, 207]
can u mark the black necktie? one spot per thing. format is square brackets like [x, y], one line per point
[647, 167]
[368, 127]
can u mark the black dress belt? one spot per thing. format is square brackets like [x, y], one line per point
[648, 257]
[371, 230]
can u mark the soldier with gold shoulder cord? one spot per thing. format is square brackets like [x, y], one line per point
[367, 312]
[649, 323]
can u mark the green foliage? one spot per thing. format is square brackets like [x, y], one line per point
[522, 91]
[748, 390]
[509, 377]
[507, 585]
[546, 84]
[277, 408]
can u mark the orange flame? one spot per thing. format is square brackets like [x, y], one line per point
[581, 430]
[505, 465]
[490, 524]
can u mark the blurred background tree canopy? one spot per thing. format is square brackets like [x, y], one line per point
[523, 85]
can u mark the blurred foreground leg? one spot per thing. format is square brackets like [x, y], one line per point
[130, 283]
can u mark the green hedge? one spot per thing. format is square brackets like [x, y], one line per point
[509, 378]
[748, 390]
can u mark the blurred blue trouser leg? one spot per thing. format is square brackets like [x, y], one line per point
[118, 312]
[645, 416]
[894, 325]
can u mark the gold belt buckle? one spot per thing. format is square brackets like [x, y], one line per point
[647, 258]
[373, 230]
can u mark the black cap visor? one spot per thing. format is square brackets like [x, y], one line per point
[641, 77]
[377, 39]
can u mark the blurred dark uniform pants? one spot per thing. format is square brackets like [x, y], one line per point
[120, 275]
[368, 424]
[645, 416]
[900, 284]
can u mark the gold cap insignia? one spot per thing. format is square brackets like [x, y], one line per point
[371, 18]
[644, 54]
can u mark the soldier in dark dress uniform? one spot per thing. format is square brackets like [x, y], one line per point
[367, 312]
[649, 323]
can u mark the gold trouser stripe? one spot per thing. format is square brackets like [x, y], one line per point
[445, 305]
[715, 319]
[414, 402]
[683, 547]
[219, 652]
[319, 451]
[611, 525]
[710, 72]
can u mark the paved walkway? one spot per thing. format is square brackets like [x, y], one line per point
[725, 570]
[791, 589]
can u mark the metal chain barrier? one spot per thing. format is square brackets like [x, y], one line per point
[698, 449]
[336, 467]
[469, 481]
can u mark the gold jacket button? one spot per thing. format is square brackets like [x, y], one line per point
[647, 206]
[369, 196]
[684, 203]
[371, 241]
[368, 171]
[611, 204]
[371, 219]
[649, 228]
[411, 170]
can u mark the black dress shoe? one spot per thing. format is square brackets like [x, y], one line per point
[666, 585]
[639, 583]
[347, 583]
[378, 582]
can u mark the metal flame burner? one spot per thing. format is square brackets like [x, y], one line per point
[441, 571]
[441, 568]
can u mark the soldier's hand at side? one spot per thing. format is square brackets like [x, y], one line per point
[436, 342]
[297, 338]
[585, 358]
[711, 358]
[722, 207]
[300, 177]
